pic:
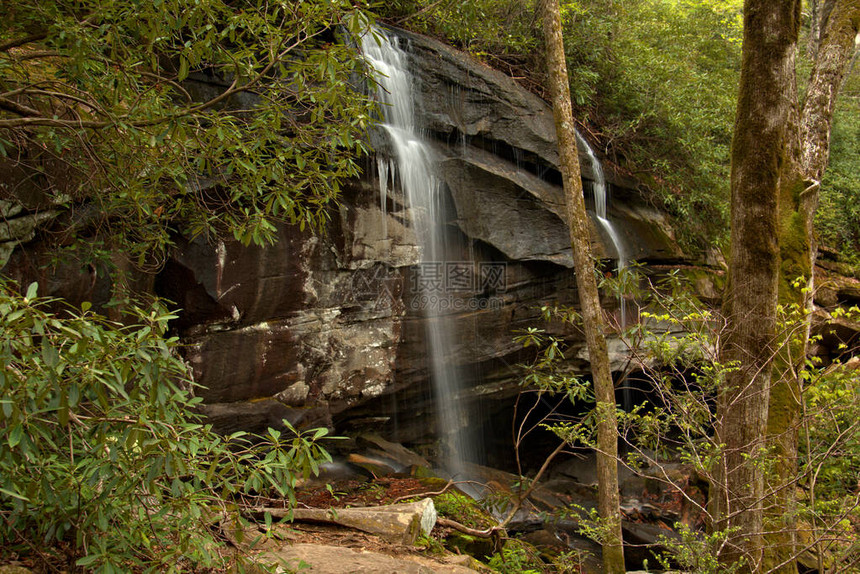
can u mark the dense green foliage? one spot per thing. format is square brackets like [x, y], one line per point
[145, 119]
[666, 98]
[102, 452]
[171, 115]
[674, 354]
[838, 216]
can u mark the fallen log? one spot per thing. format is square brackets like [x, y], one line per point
[397, 523]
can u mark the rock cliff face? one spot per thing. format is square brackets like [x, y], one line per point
[329, 327]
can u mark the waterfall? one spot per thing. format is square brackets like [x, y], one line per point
[600, 202]
[413, 167]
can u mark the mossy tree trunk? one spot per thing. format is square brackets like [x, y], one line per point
[607, 438]
[759, 148]
[807, 158]
[819, 15]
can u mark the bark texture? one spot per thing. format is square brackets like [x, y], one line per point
[808, 157]
[758, 155]
[607, 465]
[835, 51]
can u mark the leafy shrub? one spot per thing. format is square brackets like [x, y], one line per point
[517, 558]
[155, 148]
[102, 452]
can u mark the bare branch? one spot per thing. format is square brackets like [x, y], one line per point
[16, 108]
[493, 531]
[524, 495]
[426, 494]
[17, 42]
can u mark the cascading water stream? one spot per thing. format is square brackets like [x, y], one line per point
[413, 167]
[600, 201]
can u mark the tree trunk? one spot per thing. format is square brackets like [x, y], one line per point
[819, 16]
[799, 199]
[758, 153]
[812, 39]
[834, 54]
[607, 464]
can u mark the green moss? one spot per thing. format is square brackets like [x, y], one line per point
[457, 506]
[431, 545]
[479, 548]
[794, 245]
[701, 277]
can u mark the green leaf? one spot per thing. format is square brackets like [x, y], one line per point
[14, 494]
[15, 435]
[88, 560]
[183, 68]
[50, 355]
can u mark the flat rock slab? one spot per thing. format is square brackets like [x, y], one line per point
[397, 523]
[338, 560]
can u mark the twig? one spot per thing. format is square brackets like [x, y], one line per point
[523, 496]
[419, 12]
[426, 494]
[17, 108]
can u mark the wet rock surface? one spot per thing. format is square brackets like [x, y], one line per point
[334, 322]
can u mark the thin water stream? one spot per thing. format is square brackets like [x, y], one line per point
[601, 199]
[412, 167]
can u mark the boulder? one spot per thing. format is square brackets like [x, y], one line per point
[461, 98]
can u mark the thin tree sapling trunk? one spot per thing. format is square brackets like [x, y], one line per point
[592, 314]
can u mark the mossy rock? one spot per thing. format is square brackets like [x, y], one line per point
[480, 548]
[463, 509]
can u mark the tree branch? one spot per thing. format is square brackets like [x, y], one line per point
[426, 494]
[16, 108]
[58, 123]
[427, 8]
[21, 41]
[490, 532]
[524, 495]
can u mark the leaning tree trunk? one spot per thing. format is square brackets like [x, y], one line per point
[804, 169]
[758, 151]
[607, 465]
